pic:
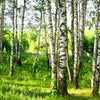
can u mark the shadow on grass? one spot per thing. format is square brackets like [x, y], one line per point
[75, 97]
[82, 97]
[45, 96]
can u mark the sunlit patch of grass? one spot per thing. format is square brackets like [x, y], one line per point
[80, 92]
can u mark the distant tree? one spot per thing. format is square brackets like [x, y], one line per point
[81, 32]
[40, 26]
[16, 44]
[20, 43]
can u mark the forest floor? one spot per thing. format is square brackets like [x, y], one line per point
[24, 86]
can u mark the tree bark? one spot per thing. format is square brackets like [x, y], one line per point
[16, 44]
[67, 55]
[38, 43]
[12, 42]
[20, 44]
[82, 29]
[58, 46]
[72, 30]
[98, 66]
[75, 70]
[51, 45]
[62, 86]
[94, 67]
[55, 34]
[82, 15]
[1, 27]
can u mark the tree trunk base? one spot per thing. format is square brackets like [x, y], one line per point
[75, 82]
[19, 62]
[95, 89]
[94, 93]
[62, 86]
[48, 64]
[11, 73]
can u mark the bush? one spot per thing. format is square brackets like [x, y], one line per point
[88, 45]
[25, 44]
[7, 40]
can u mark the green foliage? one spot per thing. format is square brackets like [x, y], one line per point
[30, 41]
[25, 44]
[89, 41]
[7, 40]
[88, 45]
[86, 72]
[33, 37]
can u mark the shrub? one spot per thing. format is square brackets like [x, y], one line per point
[7, 40]
[25, 44]
[88, 45]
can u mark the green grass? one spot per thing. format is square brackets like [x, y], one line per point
[24, 86]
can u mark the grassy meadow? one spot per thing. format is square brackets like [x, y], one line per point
[26, 86]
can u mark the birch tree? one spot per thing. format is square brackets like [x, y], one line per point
[62, 86]
[81, 32]
[12, 41]
[94, 67]
[81, 29]
[67, 53]
[55, 33]
[98, 66]
[38, 42]
[75, 70]
[20, 43]
[1, 26]
[58, 44]
[51, 45]
[16, 44]
[72, 30]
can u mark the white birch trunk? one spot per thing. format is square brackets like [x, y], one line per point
[51, 45]
[16, 44]
[94, 67]
[82, 29]
[72, 30]
[1, 27]
[40, 26]
[75, 70]
[12, 42]
[20, 43]
[62, 86]
[98, 66]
